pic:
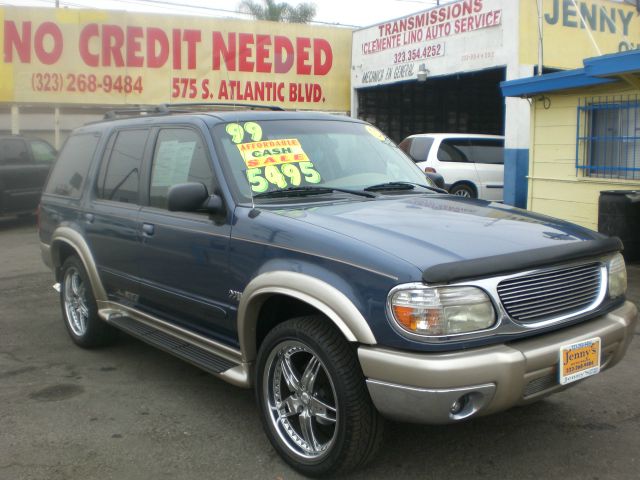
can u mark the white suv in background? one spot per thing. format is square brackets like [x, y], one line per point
[472, 165]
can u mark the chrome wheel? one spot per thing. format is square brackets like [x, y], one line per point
[301, 401]
[463, 193]
[75, 301]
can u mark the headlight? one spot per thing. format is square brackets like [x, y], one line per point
[617, 276]
[442, 310]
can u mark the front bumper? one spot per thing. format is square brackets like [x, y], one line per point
[422, 388]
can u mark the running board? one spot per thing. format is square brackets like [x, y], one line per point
[206, 354]
[206, 360]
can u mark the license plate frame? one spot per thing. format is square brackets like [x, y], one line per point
[579, 360]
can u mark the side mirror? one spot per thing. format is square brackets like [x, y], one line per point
[436, 178]
[189, 197]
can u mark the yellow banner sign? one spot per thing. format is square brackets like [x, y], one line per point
[272, 152]
[574, 31]
[105, 57]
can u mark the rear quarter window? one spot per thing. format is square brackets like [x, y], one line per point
[70, 170]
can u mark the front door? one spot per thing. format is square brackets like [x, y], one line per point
[183, 255]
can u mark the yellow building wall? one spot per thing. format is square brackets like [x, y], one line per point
[613, 27]
[555, 187]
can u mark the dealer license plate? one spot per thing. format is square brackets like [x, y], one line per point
[579, 360]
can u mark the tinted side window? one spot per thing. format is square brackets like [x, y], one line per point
[417, 148]
[453, 150]
[13, 151]
[487, 151]
[42, 151]
[70, 171]
[179, 157]
[405, 145]
[420, 148]
[120, 177]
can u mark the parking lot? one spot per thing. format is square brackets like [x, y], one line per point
[133, 412]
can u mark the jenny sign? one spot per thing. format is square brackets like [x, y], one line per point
[571, 31]
[99, 57]
[460, 36]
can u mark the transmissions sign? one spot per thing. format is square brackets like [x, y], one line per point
[460, 36]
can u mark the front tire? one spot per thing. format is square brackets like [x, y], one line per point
[79, 308]
[312, 395]
[463, 190]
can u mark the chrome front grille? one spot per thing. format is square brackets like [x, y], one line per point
[551, 294]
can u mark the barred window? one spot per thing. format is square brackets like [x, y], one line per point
[608, 140]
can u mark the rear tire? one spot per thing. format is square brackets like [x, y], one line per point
[79, 308]
[313, 399]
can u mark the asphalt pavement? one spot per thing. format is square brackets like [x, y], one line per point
[132, 412]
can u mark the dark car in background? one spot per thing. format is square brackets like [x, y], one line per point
[24, 166]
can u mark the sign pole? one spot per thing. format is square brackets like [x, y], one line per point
[15, 120]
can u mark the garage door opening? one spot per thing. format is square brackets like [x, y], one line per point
[462, 103]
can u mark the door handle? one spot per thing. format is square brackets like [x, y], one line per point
[148, 229]
[89, 217]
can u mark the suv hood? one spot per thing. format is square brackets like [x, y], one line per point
[428, 230]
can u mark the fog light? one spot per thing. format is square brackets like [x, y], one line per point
[458, 405]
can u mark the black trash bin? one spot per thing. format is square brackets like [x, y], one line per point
[619, 216]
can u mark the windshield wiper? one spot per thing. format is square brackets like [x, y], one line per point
[309, 190]
[401, 186]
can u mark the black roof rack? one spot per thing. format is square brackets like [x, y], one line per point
[168, 108]
[230, 106]
[132, 111]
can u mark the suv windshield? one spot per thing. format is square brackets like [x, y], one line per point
[269, 156]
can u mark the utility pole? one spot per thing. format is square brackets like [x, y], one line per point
[540, 42]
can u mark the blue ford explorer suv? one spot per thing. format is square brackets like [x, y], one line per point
[306, 256]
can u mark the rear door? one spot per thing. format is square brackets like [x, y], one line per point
[111, 219]
[183, 255]
[487, 155]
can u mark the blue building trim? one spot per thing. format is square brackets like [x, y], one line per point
[549, 82]
[596, 71]
[613, 64]
[516, 169]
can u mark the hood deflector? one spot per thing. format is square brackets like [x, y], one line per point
[518, 261]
